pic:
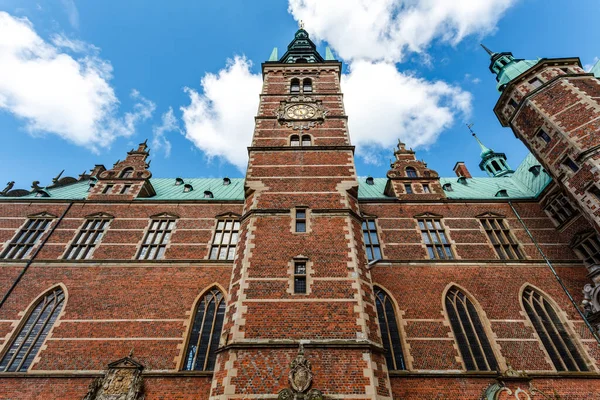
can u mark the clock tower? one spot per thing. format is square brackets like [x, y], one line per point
[288, 291]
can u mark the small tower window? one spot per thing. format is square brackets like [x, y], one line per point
[535, 83]
[307, 86]
[295, 141]
[208, 195]
[306, 140]
[513, 103]
[496, 166]
[301, 60]
[571, 164]
[301, 220]
[300, 278]
[535, 170]
[295, 86]
[544, 136]
[501, 193]
[370, 180]
[408, 188]
[127, 173]
[411, 172]
[594, 190]
[448, 187]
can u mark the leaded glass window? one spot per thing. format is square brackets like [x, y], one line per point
[435, 239]
[202, 346]
[369, 229]
[588, 249]
[502, 239]
[87, 239]
[473, 343]
[560, 209]
[225, 240]
[156, 239]
[28, 341]
[300, 278]
[22, 244]
[553, 333]
[390, 334]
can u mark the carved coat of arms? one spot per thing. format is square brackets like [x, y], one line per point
[300, 378]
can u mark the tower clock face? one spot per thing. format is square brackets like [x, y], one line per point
[300, 111]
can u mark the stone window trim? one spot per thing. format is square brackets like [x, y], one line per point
[88, 232]
[189, 326]
[437, 237]
[219, 231]
[563, 319]
[301, 82]
[490, 334]
[16, 242]
[304, 140]
[560, 210]
[26, 314]
[569, 165]
[369, 222]
[543, 136]
[408, 189]
[127, 173]
[165, 244]
[295, 220]
[500, 237]
[594, 190]
[586, 246]
[400, 356]
[411, 172]
[483, 319]
[291, 272]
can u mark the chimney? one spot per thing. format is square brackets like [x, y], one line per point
[461, 170]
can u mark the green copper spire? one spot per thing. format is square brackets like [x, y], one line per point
[301, 49]
[273, 54]
[491, 162]
[328, 54]
[506, 67]
[484, 150]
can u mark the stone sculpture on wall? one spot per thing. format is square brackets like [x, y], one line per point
[122, 381]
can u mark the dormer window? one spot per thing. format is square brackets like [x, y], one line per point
[535, 170]
[501, 193]
[208, 194]
[178, 181]
[307, 86]
[370, 180]
[127, 173]
[226, 181]
[295, 86]
[306, 140]
[295, 141]
[462, 180]
[448, 187]
[411, 172]
[187, 188]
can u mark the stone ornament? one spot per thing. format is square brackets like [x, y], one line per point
[300, 379]
[122, 381]
[300, 112]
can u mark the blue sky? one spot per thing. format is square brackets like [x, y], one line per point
[68, 69]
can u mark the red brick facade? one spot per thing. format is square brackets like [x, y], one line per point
[301, 206]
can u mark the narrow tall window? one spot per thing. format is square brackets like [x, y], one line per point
[87, 239]
[295, 141]
[127, 173]
[390, 334]
[300, 278]
[369, 229]
[434, 237]
[544, 136]
[560, 209]
[295, 86]
[469, 333]
[300, 220]
[502, 239]
[126, 189]
[226, 238]
[553, 333]
[306, 140]
[156, 240]
[588, 249]
[27, 343]
[107, 189]
[426, 188]
[202, 346]
[411, 172]
[408, 188]
[307, 86]
[571, 164]
[22, 244]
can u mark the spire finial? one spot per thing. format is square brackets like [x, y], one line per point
[484, 150]
[491, 53]
[301, 24]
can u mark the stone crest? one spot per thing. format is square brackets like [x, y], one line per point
[122, 381]
[300, 379]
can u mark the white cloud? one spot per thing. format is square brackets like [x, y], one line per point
[387, 29]
[57, 92]
[169, 124]
[384, 104]
[220, 121]
[72, 13]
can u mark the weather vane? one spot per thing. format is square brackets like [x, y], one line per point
[301, 24]
[469, 126]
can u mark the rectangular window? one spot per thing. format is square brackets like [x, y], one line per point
[501, 238]
[544, 136]
[595, 191]
[87, 239]
[107, 189]
[589, 250]
[513, 103]
[226, 238]
[300, 278]
[560, 209]
[126, 189]
[156, 240]
[435, 238]
[22, 244]
[295, 87]
[426, 188]
[535, 83]
[371, 240]
[408, 189]
[571, 164]
[301, 220]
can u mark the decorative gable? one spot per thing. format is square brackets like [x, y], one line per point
[43, 214]
[490, 214]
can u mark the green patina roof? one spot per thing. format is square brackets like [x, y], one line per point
[513, 70]
[596, 70]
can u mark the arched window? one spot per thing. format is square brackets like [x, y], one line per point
[28, 341]
[469, 333]
[127, 173]
[553, 333]
[201, 350]
[390, 333]
[295, 140]
[411, 172]
[307, 86]
[295, 86]
[306, 140]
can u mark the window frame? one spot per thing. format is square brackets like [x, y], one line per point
[432, 245]
[300, 276]
[370, 230]
[220, 234]
[411, 172]
[543, 135]
[552, 209]
[87, 249]
[587, 247]
[21, 238]
[502, 238]
[396, 345]
[148, 255]
[302, 220]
